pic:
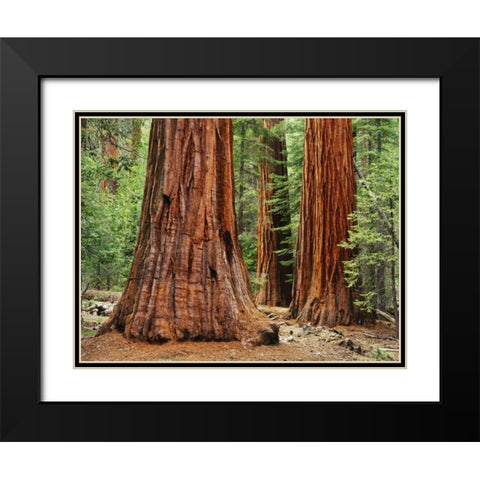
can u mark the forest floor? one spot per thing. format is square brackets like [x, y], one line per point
[298, 343]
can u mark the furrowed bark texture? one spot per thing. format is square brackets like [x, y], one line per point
[327, 199]
[275, 289]
[188, 280]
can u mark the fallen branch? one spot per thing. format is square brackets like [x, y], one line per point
[384, 315]
[371, 336]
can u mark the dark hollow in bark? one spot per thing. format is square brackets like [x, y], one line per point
[275, 289]
[188, 280]
[320, 296]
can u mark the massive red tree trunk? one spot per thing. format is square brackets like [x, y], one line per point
[188, 280]
[270, 265]
[328, 198]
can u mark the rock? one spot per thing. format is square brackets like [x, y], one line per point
[319, 331]
[288, 339]
[101, 308]
[347, 343]
[260, 309]
[332, 334]
[308, 329]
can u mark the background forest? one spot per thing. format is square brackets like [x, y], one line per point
[114, 154]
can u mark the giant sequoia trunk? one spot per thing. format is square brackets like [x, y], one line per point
[188, 280]
[328, 198]
[271, 268]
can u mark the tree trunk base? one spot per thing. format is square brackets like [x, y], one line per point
[328, 313]
[258, 332]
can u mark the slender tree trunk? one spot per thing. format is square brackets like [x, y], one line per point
[393, 279]
[275, 289]
[241, 187]
[188, 280]
[320, 296]
[370, 283]
[135, 138]
[381, 299]
[109, 156]
[84, 136]
[85, 288]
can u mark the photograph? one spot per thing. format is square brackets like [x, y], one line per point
[239, 239]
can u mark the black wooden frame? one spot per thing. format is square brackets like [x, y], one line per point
[24, 62]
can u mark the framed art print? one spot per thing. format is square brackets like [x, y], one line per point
[207, 243]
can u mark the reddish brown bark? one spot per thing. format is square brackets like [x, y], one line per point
[188, 280]
[275, 290]
[320, 296]
[109, 156]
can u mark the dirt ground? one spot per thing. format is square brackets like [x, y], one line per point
[297, 343]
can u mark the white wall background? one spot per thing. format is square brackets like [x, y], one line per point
[246, 18]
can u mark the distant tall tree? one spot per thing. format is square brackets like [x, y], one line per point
[380, 272]
[135, 138]
[110, 157]
[188, 280]
[241, 187]
[320, 296]
[273, 254]
[246, 132]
